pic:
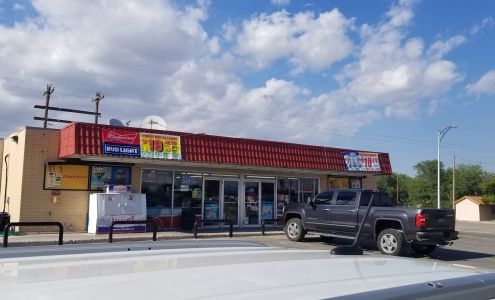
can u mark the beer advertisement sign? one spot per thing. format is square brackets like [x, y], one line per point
[120, 143]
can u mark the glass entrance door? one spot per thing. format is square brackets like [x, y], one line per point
[267, 200]
[212, 199]
[251, 202]
[259, 201]
[221, 200]
[231, 201]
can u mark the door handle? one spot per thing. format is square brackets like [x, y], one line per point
[327, 209]
[352, 210]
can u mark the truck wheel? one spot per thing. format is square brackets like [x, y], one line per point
[294, 230]
[423, 249]
[390, 242]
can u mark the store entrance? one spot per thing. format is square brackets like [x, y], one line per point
[259, 202]
[221, 200]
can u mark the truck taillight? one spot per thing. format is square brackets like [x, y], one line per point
[420, 220]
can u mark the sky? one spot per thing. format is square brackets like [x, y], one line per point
[379, 75]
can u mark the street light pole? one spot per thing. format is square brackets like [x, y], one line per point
[441, 134]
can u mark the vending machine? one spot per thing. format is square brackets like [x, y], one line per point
[104, 208]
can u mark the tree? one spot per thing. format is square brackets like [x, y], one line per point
[467, 180]
[488, 189]
[389, 184]
[423, 190]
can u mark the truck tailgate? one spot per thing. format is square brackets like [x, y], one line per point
[439, 219]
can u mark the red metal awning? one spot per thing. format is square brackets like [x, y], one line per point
[85, 139]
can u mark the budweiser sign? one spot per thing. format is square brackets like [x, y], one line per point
[120, 137]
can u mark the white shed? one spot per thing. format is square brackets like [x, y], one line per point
[472, 208]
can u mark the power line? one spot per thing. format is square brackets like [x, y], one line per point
[71, 91]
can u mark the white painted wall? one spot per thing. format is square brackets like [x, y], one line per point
[467, 210]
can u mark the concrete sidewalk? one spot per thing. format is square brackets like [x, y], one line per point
[34, 239]
[38, 239]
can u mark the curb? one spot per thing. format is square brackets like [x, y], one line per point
[117, 238]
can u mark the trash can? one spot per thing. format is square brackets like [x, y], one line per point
[187, 217]
[4, 220]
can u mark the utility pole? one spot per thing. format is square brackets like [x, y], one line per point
[441, 134]
[397, 177]
[47, 93]
[97, 100]
[453, 184]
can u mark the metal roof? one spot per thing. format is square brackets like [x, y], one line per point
[85, 139]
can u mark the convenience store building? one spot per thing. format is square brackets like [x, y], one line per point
[48, 174]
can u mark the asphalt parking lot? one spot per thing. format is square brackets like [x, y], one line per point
[475, 246]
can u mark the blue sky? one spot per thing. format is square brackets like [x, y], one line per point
[369, 75]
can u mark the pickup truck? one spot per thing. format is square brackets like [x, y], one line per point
[338, 213]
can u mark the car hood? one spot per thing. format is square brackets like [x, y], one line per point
[214, 273]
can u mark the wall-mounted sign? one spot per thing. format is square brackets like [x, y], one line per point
[361, 161]
[120, 143]
[114, 188]
[160, 146]
[338, 183]
[109, 175]
[66, 177]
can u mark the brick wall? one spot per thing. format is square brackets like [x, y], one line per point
[14, 148]
[1, 163]
[370, 182]
[323, 182]
[70, 208]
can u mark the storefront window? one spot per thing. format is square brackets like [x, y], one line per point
[157, 185]
[287, 191]
[103, 175]
[187, 192]
[212, 199]
[308, 188]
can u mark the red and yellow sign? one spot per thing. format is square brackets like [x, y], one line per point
[160, 146]
[66, 177]
[338, 183]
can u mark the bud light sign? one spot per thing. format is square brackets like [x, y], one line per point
[121, 143]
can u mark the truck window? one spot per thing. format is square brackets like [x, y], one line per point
[324, 197]
[381, 199]
[346, 198]
[385, 200]
[365, 198]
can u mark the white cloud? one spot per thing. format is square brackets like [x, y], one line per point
[120, 46]
[229, 32]
[18, 7]
[485, 85]
[396, 72]
[157, 58]
[280, 2]
[441, 48]
[308, 41]
[485, 23]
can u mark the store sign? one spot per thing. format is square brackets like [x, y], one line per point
[120, 143]
[338, 183]
[113, 188]
[160, 146]
[362, 161]
[66, 177]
